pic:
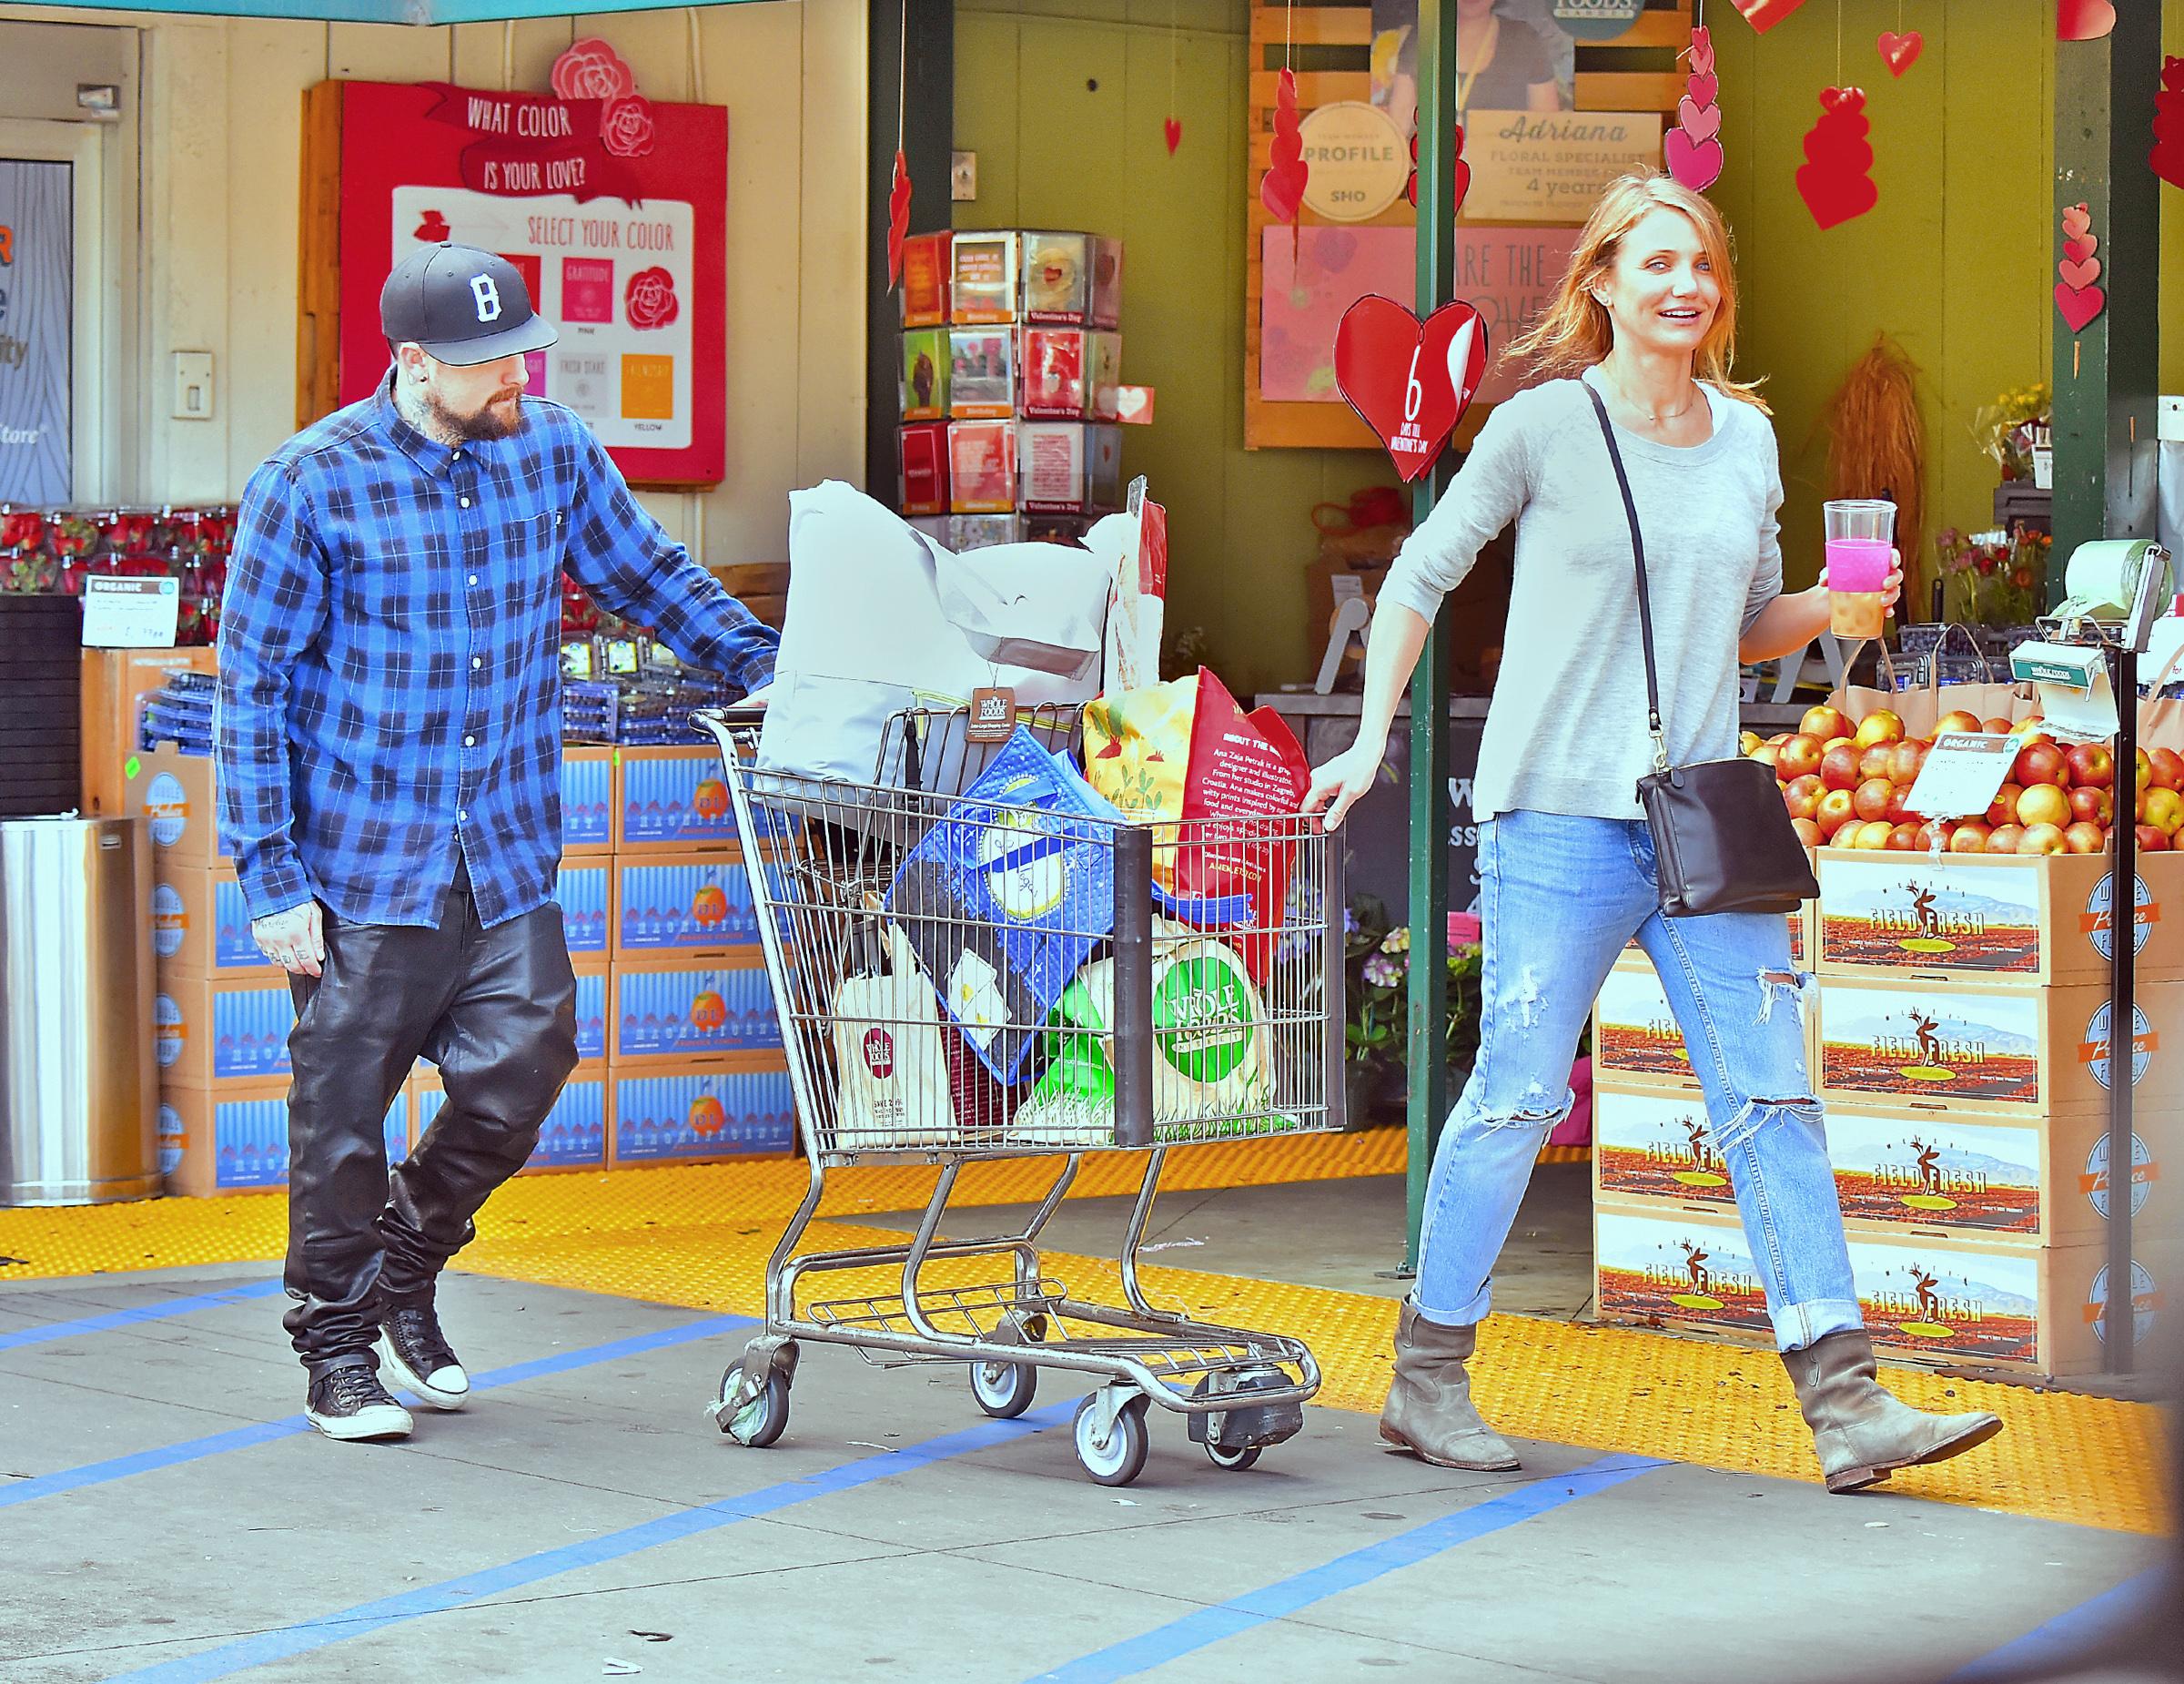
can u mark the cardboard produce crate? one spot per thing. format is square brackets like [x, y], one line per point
[676, 1007]
[587, 800]
[1801, 940]
[113, 682]
[685, 903]
[233, 1136]
[671, 798]
[2023, 1053]
[1636, 1038]
[205, 1030]
[723, 1105]
[594, 988]
[201, 927]
[584, 890]
[176, 792]
[1977, 918]
[1950, 1300]
[576, 1131]
[1938, 1171]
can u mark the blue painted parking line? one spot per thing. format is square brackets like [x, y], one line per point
[159, 1312]
[366, 1617]
[266, 1432]
[2071, 1634]
[1209, 1625]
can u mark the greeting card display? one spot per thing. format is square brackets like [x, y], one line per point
[976, 531]
[925, 363]
[983, 271]
[926, 274]
[1103, 375]
[1054, 374]
[1106, 282]
[1057, 278]
[1069, 467]
[924, 488]
[982, 372]
[982, 467]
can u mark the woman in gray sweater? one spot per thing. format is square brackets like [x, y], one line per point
[1646, 317]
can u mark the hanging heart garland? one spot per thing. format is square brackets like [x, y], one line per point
[2077, 294]
[1463, 173]
[1835, 182]
[1281, 188]
[1899, 53]
[1172, 131]
[1692, 149]
[2168, 155]
[2083, 20]
[1763, 14]
[898, 220]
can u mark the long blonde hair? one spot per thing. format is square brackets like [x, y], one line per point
[1576, 331]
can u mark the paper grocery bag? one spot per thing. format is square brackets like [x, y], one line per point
[2161, 723]
[1922, 704]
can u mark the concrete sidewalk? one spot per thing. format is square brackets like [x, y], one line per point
[166, 1516]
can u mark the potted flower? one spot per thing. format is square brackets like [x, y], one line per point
[1376, 1029]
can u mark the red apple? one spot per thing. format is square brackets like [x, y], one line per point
[2004, 839]
[1839, 767]
[2043, 839]
[2085, 838]
[1881, 725]
[2004, 808]
[2091, 766]
[1902, 838]
[1957, 719]
[1823, 722]
[1837, 808]
[2165, 810]
[2151, 839]
[2040, 763]
[2168, 768]
[1874, 835]
[1798, 757]
[2043, 804]
[1873, 760]
[1937, 836]
[1838, 742]
[1766, 755]
[1873, 797]
[2093, 804]
[1970, 836]
[1998, 726]
[1808, 832]
[1802, 796]
[1905, 759]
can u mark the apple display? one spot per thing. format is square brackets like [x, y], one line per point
[1874, 835]
[2166, 766]
[1906, 758]
[1837, 808]
[1839, 767]
[1957, 719]
[1904, 838]
[2003, 839]
[1808, 832]
[1798, 757]
[2090, 804]
[2151, 839]
[1879, 727]
[1802, 796]
[2002, 810]
[2085, 838]
[1824, 721]
[2043, 804]
[2040, 763]
[2165, 810]
[1873, 797]
[1970, 836]
[2091, 766]
[2043, 839]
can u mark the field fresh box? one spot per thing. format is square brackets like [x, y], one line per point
[174, 792]
[201, 927]
[1634, 1032]
[574, 1134]
[671, 796]
[1975, 918]
[1651, 1142]
[235, 1137]
[1952, 1300]
[2028, 1052]
[204, 1031]
[671, 1009]
[584, 890]
[587, 800]
[1801, 941]
[710, 1107]
[670, 903]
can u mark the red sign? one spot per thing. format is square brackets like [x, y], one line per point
[612, 206]
[1410, 381]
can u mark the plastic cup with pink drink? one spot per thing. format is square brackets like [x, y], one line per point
[1861, 551]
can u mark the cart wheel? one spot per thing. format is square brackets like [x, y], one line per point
[1235, 1461]
[1120, 1458]
[762, 1420]
[1004, 1390]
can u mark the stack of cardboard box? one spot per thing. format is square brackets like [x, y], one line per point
[1960, 1040]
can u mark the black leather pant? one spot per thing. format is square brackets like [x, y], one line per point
[496, 1010]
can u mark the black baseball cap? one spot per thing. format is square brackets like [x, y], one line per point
[464, 306]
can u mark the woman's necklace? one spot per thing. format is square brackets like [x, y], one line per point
[1652, 419]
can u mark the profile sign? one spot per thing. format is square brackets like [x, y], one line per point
[1409, 381]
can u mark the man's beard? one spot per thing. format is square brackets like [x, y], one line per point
[488, 423]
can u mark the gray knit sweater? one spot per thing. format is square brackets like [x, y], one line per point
[1566, 730]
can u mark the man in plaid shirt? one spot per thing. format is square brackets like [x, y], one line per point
[388, 744]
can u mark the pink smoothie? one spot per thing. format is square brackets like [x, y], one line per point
[1857, 564]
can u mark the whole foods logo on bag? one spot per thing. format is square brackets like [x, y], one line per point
[879, 1053]
[1203, 1016]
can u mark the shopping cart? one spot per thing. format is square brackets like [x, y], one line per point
[1165, 1035]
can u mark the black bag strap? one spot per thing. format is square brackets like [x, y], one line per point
[1646, 605]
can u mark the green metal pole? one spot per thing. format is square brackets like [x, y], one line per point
[2105, 377]
[1428, 1039]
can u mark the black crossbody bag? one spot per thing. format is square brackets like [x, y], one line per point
[1723, 841]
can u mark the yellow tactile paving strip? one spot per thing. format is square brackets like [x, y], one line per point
[699, 1236]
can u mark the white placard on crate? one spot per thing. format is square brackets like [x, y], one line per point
[131, 613]
[1963, 774]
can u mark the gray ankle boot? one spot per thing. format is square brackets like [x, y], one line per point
[1429, 1411]
[1860, 1433]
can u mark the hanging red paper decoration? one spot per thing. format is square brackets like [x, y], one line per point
[898, 220]
[1172, 130]
[1694, 147]
[2168, 155]
[2076, 295]
[1899, 53]
[1281, 188]
[2083, 20]
[1763, 14]
[1464, 172]
[1834, 181]
[1409, 381]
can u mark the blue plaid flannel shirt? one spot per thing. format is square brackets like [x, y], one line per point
[389, 682]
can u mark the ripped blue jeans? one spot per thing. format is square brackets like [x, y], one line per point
[1559, 898]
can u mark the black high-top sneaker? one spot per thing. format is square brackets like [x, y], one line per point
[416, 1354]
[348, 1402]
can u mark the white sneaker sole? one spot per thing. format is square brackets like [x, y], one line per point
[397, 1371]
[382, 1421]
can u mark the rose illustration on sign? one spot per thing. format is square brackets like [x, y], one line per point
[625, 128]
[649, 301]
[590, 70]
[1410, 382]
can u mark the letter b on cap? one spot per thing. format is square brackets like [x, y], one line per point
[487, 297]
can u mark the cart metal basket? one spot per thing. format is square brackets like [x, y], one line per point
[963, 973]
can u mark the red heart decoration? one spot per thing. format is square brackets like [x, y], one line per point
[1697, 164]
[1763, 14]
[2080, 305]
[2079, 275]
[1702, 123]
[1702, 51]
[1901, 52]
[898, 220]
[2078, 221]
[1173, 130]
[1394, 369]
[1704, 88]
[1843, 99]
[2079, 250]
[2172, 74]
[2083, 20]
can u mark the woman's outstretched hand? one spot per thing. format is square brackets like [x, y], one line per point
[1343, 781]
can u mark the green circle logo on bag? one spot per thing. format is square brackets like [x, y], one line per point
[1203, 1019]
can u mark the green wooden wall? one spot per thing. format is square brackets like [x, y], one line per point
[1956, 262]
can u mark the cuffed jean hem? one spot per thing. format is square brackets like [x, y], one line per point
[1797, 1325]
[1470, 1316]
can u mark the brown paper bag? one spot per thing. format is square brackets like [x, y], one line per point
[1921, 705]
[2161, 723]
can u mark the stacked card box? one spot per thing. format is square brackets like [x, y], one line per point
[1010, 362]
[1961, 1044]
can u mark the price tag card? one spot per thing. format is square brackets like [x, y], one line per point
[131, 613]
[1963, 774]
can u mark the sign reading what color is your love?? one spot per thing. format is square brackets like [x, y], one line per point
[611, 205]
